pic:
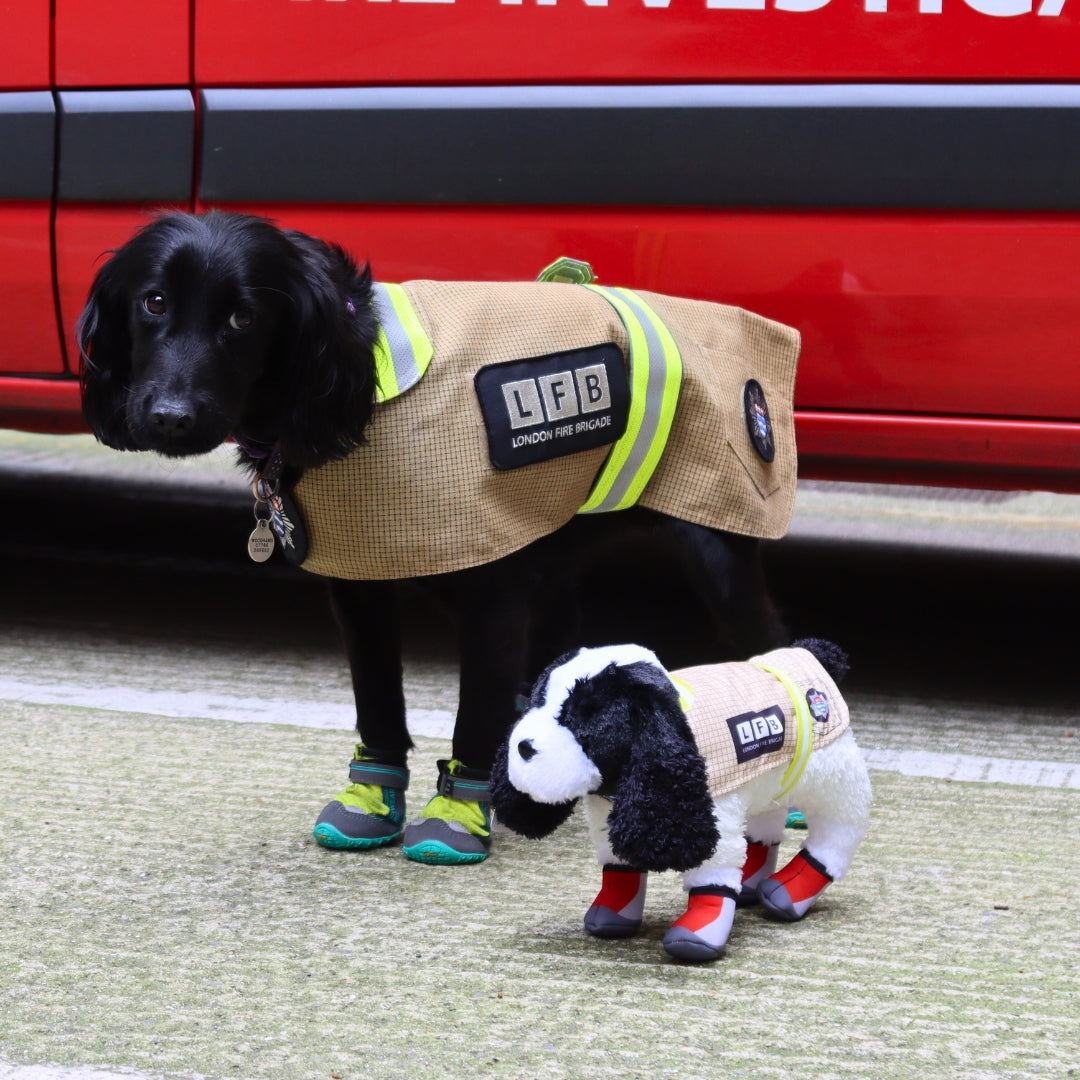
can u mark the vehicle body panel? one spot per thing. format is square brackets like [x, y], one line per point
[25, 47]
[898, 179]
[364, 42]
[123, 43]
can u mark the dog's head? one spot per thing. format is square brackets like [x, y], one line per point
[211, 325]
[609, 721]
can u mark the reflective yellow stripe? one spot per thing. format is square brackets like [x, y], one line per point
[804, 729]
[403, 350]
[655, 379]
[686, 694]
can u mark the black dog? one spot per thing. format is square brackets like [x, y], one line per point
[208, 327]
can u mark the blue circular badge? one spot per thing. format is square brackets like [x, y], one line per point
[758, 424]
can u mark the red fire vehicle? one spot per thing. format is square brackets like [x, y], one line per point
[899, 179]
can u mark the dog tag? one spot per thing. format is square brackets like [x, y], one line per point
[261, 541]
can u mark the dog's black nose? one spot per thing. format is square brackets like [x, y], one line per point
[171, 419]
[526, 749]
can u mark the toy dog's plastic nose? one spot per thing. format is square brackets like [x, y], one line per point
[526, 749]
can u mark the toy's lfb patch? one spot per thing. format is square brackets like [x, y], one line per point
[548, 406]
[756, 733]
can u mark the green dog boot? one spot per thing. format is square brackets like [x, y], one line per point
[455, 826]
[370, 812]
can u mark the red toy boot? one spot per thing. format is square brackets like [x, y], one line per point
[701, 932]
[790, 893]
[760, 863]
[616, 911]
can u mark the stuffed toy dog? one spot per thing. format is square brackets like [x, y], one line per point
[693, 771]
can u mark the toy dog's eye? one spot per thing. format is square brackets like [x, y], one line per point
[241, 319]
[155, 304]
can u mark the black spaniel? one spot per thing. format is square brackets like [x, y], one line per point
[217, 326]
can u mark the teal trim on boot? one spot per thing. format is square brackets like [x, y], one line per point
[455, 826]
[444, 843]
[348, 828]
[370, 812]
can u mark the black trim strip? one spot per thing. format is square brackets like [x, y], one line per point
[27, 126]
[853, 145]
[125, 145]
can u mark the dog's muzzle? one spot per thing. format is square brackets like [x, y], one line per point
[547, 763]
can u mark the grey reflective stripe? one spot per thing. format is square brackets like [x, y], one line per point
[402, 351]
[655, 378]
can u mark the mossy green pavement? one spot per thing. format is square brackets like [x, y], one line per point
[163, 908]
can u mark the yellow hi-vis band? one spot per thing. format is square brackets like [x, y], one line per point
[402, 349]
[804, 729]
[655, 379]
[686, 693]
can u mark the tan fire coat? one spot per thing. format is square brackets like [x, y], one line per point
[744, 719]
[421, 497]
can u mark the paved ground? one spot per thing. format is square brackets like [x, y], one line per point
[164, 912]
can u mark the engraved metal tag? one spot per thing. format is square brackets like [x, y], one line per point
[261, 541]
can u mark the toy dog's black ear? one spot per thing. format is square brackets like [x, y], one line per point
[662, 817]
[516, 810]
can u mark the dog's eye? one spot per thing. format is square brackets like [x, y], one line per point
[154, 302]
[241, 319]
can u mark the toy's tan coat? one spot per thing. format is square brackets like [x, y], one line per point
[723, 691]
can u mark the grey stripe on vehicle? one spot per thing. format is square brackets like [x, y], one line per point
[27, 134]
[126, 145]
[854, 145]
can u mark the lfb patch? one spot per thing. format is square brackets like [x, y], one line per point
[755, 734]
[549, 406]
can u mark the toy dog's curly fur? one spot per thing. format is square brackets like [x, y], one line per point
[607, 725]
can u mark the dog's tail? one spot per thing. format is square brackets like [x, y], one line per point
[831, 657]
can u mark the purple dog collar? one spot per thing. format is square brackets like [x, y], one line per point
[253, 450]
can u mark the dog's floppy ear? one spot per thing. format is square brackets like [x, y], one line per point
[662, 816]
[104, 341]
[516, 810]
[328, 372]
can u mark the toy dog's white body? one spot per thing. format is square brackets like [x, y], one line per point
[833, 795]
[648, 799]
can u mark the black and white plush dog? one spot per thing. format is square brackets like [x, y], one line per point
[208, 327]
[693, 771]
